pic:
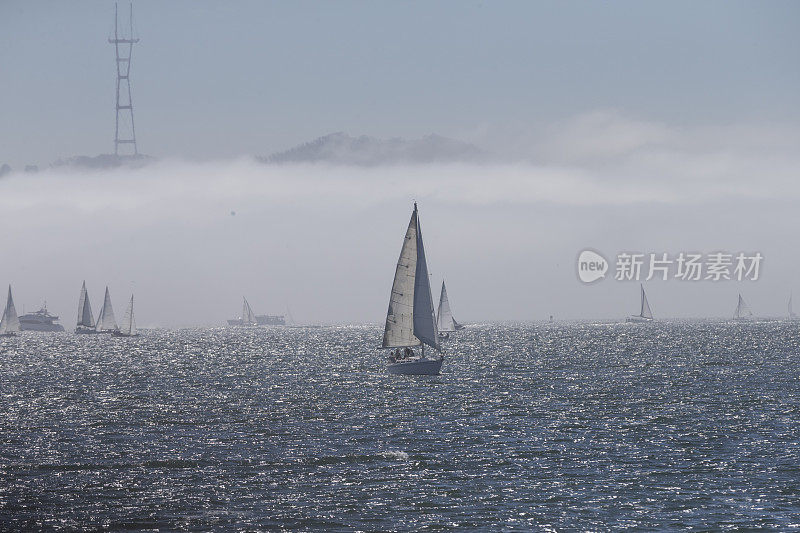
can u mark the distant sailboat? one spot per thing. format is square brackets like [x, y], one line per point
[645, 314]
[106, 323]
[128, 328]
[9, 323]
[410, 320]
[444, 317]
[290, 319]
[792, 314]
[742, 310]
[86, 323]
[248, 317]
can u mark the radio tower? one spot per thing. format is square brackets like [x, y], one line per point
[124, 104]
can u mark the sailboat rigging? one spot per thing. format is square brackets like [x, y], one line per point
[743, 311]
[128, 328]
[444, 316]
[106, 323]
[9, 323]
[248, 317]
[645, 313]
[86, 323]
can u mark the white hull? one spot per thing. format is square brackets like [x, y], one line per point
[53, 328]
[418, 367]
[7, 335]
[638, 319]
[85, 331]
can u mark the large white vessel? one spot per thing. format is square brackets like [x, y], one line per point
[410, 320]
[40, 320]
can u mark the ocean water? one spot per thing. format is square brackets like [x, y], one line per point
[683, 426]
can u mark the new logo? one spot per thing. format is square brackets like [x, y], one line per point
[591, 266]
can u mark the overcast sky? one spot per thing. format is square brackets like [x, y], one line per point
[215, 79]
[622, 127]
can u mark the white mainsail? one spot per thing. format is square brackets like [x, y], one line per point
[792, 314]
[742, 309]
[106, 320]
[248, 317]
[445, 321]
[645, 312]
[9, 323]
[85, 317]
[128, 321]
[410, 319]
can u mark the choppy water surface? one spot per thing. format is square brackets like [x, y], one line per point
[590, 426]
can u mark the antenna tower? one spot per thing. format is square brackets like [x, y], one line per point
[124, 120]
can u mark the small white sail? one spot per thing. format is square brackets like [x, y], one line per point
[742, 309]
[9, 323]
[85, 317]
[445, 321]
[792, 314]
[410, 319]
[248, 317]
[646, 312]
[128, 321]
[106, 320]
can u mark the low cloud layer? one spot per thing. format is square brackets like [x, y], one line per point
[190, 239]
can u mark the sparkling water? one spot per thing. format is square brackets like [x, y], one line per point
[549, 426]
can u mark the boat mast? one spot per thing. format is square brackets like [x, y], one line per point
[641, 309]
[130, 318]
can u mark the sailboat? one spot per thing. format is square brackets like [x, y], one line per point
[410, 320]
[792, 314]
[444, 316]
[645, 314]
[9, 323]
[106, 323]
[743, 311]
[248, 317]
[128, 328]
[86, 323]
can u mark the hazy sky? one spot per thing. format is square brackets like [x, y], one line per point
[217, 79]
[325, 239]
[626, 127]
